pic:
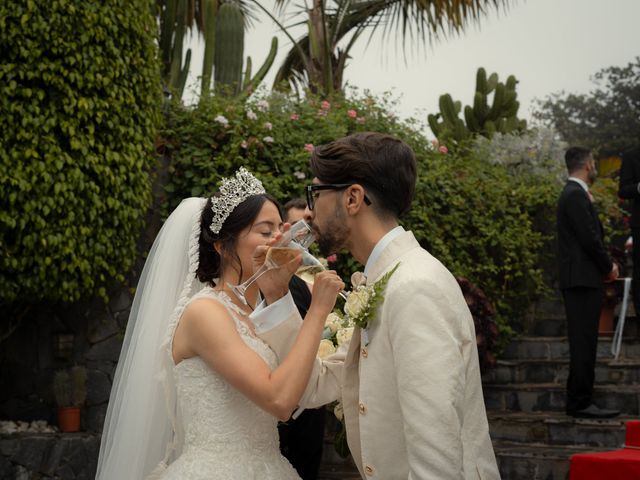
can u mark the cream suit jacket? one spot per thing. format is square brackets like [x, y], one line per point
[412, 396]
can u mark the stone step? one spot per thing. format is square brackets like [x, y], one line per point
[620, 371]
[535, 461]
[557, 348]
[541, 397]
[554, 428]
[550, 325]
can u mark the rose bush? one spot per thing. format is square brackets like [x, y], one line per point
[484, 221]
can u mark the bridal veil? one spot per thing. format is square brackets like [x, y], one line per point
[142, 427]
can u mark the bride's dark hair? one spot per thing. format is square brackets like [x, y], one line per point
[211, 264]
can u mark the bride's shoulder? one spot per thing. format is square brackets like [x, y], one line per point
[206, 308]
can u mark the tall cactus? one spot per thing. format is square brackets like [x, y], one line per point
[480, 118]
[173, 25]
[229, 54]
[209, 33]
[229, 48]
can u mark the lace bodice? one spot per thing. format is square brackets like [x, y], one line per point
[227, 436]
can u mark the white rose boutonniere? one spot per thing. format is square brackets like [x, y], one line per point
[357, 302]
[363, 301]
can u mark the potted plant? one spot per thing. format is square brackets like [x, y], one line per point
[70, 390]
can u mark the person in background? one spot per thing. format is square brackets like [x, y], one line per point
[301, 439]
[584, 267]
[629, 189]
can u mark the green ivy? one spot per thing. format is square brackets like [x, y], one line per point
[79, 98]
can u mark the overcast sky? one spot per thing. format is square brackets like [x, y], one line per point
[549, 45]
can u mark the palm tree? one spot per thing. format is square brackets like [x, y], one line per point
[318, 59]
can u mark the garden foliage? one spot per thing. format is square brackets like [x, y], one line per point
[478, 218]
[79, 98]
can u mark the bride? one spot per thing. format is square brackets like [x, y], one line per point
[196, 394]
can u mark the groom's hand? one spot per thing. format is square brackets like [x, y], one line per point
[274, 284]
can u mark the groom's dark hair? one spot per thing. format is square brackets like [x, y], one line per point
[384, 165]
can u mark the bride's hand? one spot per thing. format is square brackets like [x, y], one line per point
[274, 284]
[326, 286]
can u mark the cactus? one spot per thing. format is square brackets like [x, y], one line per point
[229, 50]
[209, 34]
[70, 387]
[172, 31]
[250, 83]
[78, 386]
[480, 118]
[62, 388]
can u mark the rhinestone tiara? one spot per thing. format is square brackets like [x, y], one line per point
[233, 192]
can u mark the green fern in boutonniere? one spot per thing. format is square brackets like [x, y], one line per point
[362, 302]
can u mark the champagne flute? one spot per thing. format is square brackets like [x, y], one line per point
[293, 242]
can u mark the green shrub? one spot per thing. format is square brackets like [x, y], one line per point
[477, 218]
[214, 138]
[79, 97]
[481, 223]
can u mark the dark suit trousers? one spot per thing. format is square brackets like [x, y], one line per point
[635, 284]
[582, 306]
[301, 442]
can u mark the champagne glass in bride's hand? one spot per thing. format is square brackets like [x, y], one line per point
[289, 247]
[310, 266]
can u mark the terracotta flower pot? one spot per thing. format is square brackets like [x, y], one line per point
[605, 326]
[69, 419]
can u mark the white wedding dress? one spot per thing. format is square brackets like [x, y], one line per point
[227, 436]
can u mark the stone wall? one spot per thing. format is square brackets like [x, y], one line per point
[44, 456]
[28, 358]
[28, 361]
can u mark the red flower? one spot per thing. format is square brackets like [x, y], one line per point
[443, 149]
[352, 113]
[332, 258]
[294, 117]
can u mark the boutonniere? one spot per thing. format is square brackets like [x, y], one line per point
[359, 310]
[363, 301]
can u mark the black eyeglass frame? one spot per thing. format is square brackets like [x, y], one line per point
[327, 186]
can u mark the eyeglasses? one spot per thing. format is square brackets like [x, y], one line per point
[313, 191]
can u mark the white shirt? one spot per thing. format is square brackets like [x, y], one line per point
[380, 246]
[580, 182]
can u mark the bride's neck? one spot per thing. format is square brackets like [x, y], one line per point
[233, 278]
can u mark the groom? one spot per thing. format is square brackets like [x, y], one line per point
[410, 383]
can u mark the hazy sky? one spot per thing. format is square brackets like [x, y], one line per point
[549, 45]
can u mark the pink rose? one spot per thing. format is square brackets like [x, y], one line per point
[294, 116]
[443, 149]
[360, 120]
[332, 258]
[325, 105]
[308, 147]
[352, 113]
[435, 143]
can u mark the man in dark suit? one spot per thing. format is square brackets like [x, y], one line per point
[630, 189]
[584, 267]
[301, 439]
